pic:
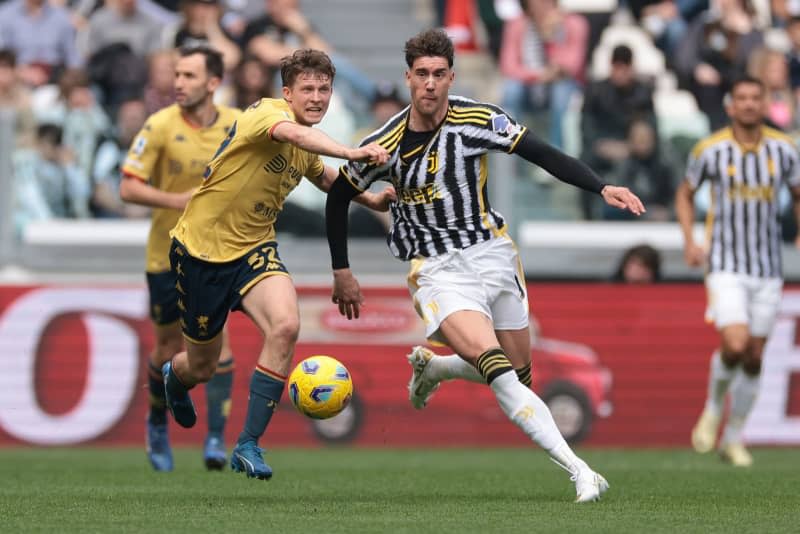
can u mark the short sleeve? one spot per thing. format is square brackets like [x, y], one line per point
[492, 128]
[793, 171]
[267, 118]
[362, 175]
[144, 152]
[695, 167]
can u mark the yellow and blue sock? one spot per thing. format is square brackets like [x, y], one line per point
[158, 399]
[218, 397]
[266, 388]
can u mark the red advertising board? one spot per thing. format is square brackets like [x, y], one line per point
[619, 366]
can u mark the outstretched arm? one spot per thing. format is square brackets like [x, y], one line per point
[346, 291]
[318, 142]
[574, 172]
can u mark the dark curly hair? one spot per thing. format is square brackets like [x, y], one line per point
[433, 43]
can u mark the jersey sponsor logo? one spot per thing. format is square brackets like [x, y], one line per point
[174, 167]
[267, 212]
[502, 125]
[421, 195]
[277, 164]
[747, 192]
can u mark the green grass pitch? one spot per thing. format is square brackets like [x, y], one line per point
[407, 490]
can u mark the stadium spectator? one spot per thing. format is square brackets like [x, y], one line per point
[640, 264]
[74, 108]
[200, 26]
[714, 52]
[121, 21]
[160, 89]
[41, 36]
[793, 32]
[647, 172]
[14, 95]
[542, 59]
[782, 11]
[252, 81]
[107, 168]
[604, 134]
[47, 182]
[283, 29]
[772, 68]
[666, 20]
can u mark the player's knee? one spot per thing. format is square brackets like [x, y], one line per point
[752, 365]
[166, 348]
[735, 350]
[287, 329]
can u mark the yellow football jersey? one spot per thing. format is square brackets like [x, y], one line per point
[171, 154]
[245, 186]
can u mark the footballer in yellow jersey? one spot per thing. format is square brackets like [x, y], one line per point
[170, 154]
[224, 250]
[164, 166]
[245, 187]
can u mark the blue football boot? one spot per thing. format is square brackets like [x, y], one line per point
[158, 450]
[178, 400]
[214, 453]
[247, 457]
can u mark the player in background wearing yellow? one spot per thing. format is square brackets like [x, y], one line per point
[466, 277]
[164, 165]
[224, 249]
[747, 164]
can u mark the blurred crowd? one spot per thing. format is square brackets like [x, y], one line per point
[83, 75]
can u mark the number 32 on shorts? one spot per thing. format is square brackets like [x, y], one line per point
[265, 259]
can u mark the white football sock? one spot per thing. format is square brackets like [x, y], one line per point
[744, 391]
[719, 378]
[532, 415]
[451, 367]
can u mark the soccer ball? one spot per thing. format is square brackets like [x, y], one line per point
[320, 387]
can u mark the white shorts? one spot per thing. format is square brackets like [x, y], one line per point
[742, 299]
[486, 277]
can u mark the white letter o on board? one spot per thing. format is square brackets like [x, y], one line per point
[112, 366]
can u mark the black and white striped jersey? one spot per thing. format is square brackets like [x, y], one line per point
[743, 221]
[440, 177]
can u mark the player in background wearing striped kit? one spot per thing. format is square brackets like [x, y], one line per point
[746, 164]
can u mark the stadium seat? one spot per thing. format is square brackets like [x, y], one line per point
[678, 114]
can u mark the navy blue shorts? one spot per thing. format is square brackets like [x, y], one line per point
[163, 297]
[207, 291]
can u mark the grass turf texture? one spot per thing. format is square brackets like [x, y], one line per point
[356, 490]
